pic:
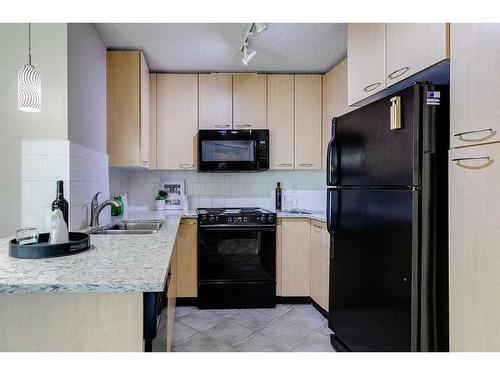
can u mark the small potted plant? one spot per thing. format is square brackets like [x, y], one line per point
[160, 200]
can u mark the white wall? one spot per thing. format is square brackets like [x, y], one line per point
[87, 122]
[49, 55]
[86, 87]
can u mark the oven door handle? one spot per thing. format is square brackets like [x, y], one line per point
[223, 228]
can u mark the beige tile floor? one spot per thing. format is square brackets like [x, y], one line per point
[285, 328]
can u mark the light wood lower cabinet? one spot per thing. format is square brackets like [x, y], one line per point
[295, 257]
[171, 297]
[187, 258]
[177, 121]
[474, 248]
[320, 248]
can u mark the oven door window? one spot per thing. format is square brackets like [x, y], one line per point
[237, 254]
[228, 150]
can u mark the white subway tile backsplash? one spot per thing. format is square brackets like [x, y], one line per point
[32, 168]
[56, 168]
[43, 193]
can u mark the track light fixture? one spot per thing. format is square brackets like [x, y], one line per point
[248, 54]
[255, 29]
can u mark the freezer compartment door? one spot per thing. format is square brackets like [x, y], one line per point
[372, 267]
[371, 151]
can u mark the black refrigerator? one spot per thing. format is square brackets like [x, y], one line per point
[387, 215]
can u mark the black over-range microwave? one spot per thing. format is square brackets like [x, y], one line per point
[233, 150]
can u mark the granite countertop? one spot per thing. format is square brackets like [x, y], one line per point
[115, 263]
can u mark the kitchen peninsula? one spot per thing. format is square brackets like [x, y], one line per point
[92, 301]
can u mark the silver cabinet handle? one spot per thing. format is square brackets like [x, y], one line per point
[305, 165]
[284, 165]
[317, 227]
[144, 162]
[482, 157]
[371, 87]
[222, 126]
[186, 166]
[459, 135]
[244, 126]
[398, 73]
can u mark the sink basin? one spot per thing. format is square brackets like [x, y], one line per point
[300, 212]
[132, 227]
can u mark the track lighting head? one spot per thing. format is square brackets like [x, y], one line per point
[259, 28]
[248, 54]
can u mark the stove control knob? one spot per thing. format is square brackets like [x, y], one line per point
[270, 219]
[262, 219]
[212, 219]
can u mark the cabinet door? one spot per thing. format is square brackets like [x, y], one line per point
[177, 121]
[334, 102]
[475, 83]
[295, 257]
[249, 101]
[144, 102]
[123, 91]
[152, 121]
[187, 259]
[280, 119]
[216, 101]
[308, 121]
[171, 297]
[318, 266]
[474, 249]
[326, 264]
[413, 47]
[365, 60]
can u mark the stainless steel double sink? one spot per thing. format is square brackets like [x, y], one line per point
[131, 227]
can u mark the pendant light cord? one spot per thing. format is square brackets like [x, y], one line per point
[29, 43]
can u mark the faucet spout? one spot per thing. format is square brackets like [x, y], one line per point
[96, 208]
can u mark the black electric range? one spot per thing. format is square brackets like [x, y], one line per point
[236, 257]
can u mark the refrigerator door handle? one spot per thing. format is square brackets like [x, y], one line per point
[331, 210]
[332, 157]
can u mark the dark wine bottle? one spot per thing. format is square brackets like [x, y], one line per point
[278, 197]
[60, 202]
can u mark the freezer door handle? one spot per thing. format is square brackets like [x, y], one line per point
[332, 157]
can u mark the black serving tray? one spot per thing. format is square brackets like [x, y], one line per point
[78, 242]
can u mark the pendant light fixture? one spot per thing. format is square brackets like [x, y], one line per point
[29, 84]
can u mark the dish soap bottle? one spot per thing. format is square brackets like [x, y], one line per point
[278, 197]
[60, 203]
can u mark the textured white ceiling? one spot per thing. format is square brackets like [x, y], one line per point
[198, 47]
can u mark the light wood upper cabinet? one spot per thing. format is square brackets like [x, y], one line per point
[187, 259]
[295, 257]
[127, 91]
[280, 119]
[249, 101]
[365, 60]
[319, 263]
[474, 249]
[413, 47]
[308, 121]
[177, 121]
[475, 84]
[152, 121]
[216, 101]
[334, 102]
